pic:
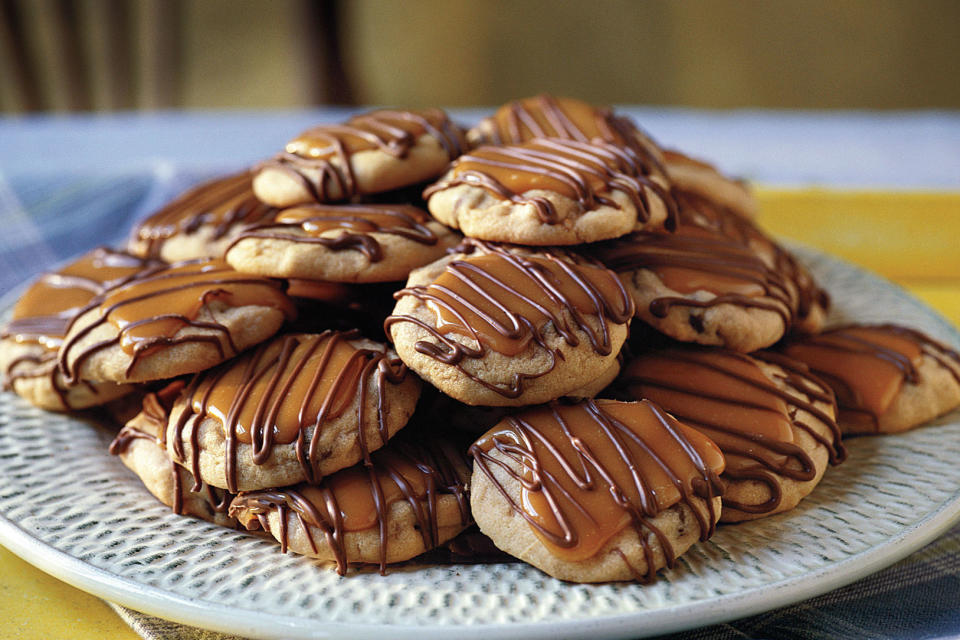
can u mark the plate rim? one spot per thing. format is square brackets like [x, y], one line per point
[254, 624]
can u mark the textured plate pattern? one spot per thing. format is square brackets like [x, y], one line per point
[59, 490]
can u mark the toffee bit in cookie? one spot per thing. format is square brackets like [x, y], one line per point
[581, 474]
[887, 377]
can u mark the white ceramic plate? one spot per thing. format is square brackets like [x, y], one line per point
[75, 512]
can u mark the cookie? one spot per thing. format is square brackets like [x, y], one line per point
[547, 116]
[341, 243]
[774, 422]
[703, 179]
[295, 409]
[699, 285]
[172, 320]
[809, 303]
[596, 491]
[888, 378]
[503, 326]
[551, 191]
[370, 153]
[411, 498]
[202, 222]
[29, 344]
[141, 447]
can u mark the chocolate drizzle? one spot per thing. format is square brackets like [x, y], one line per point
[582, 171]
[587, 471]
[286, 391]
[418, 473]
[734, 402]
[224, 205]
[868, 364]
[150, 309]
[326, 150]
[502, 300]
[356, 223]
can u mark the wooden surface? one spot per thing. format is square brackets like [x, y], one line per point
[908, 237]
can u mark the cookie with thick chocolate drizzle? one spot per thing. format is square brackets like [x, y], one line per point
[701, 285]
[596, 491]
[342, 243]
[171, 320]
[888, 378]
[552, 191]
[547, 116]
[369, 153]
[141, 446]
[809, 302]
[295, 409]
[774, 422]
[496, 326]
[29, 344]
[202, 222]
[410, 497]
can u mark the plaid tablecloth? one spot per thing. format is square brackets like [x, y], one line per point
[68, 184]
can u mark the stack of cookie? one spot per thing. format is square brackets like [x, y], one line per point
[587, 346]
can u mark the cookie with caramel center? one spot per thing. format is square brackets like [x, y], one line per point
[369, 153]
[501, 326]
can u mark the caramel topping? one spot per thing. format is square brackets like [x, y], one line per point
[583, 171]
[867, 365]
[591, 469]
[327, 148]
[360, 498]
[45, 311]
[503, 301]
[152, 307]
[696, 258]
[356, 223]
[731, 400]
[224, 205]
[546, 116]
[284, 389]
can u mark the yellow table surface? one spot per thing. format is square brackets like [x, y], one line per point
[911, 238]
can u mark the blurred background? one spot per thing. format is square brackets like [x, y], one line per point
[92, 55]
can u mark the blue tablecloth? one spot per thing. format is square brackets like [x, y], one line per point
[108, 171]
